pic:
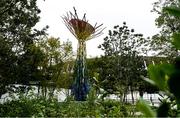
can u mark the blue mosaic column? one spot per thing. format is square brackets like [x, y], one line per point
[80, 86]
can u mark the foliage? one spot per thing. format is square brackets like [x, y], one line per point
[52, 60]
[27, 107]
[160, 71]
[26, 55]
[146, 110]
[7, 59]
[17, 35]
[168, 25]
[166, 77]
[121, 65]
[56, 61]
[33, 106]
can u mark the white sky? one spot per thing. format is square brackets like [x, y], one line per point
[136, 13]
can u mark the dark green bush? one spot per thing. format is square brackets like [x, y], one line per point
[41, 107]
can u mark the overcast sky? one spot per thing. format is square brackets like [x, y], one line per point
[137, 14]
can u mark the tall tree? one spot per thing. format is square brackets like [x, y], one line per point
[18, 17]
[57, 58]
[168, 24]
[121, 65]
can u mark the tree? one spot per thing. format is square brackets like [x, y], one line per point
[7, 65]
[166, 78]
[18, 17]
[168, 24]
[55, 64]
[121, 66]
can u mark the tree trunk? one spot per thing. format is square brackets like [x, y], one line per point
[132, 94]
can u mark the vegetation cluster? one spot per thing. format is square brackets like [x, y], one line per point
[29, 57]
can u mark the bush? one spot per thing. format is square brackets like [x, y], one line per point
[25, 107]
[32, 106]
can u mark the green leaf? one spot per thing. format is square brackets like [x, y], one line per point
[173, 11]
[163, 109]
[176, 40]
[147, 80]
[160, 73]
[145, 109]
[173, 83]
[167, 68]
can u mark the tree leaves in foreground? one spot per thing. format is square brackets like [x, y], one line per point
[166, 77]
